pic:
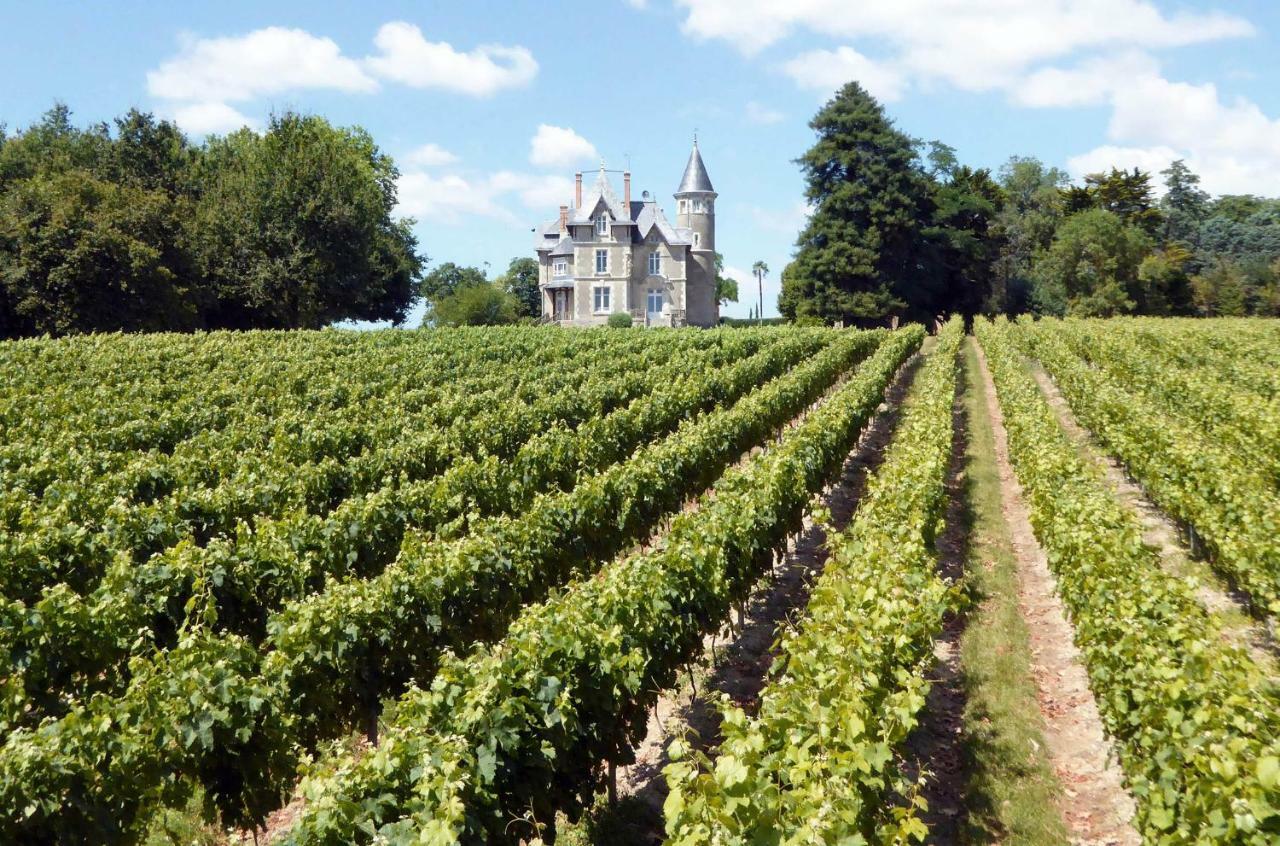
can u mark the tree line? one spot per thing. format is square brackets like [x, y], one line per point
[899, 228]
[132, 227]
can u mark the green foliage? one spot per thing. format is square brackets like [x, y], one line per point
[509, 734]
[138, 230]
[521, 282]
[475, 304]
[293, 227]
[817, 763]
[1222, 290]
[1185, 205]
[332, 655]
[858, 252]
[619, 320]
[726, 288]
[965, 242]
[1194, 718]
[1024, 225]
[1164, 277]
[1091, 268]
[1127, 195]
[81, 254]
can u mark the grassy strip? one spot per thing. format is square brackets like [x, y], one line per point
[1011, 792]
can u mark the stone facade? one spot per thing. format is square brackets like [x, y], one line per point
[604, 254]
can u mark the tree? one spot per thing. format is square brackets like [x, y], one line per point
[449, 278]
[857, 257]
[1091, 268]
[761, 270]
[965, 242]
[1165, 276]
[480, 304]
[1222, 290]
[81, 254]
[294, 228]
[521, 282]
[726, 286]
[1185, 205]
[1025, 224]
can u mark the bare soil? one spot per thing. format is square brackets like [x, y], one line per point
[1095, 804]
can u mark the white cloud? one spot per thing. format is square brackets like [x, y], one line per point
[210, 118]
[265, 61]
[1088, 83]
[451, 198]
[447, 198]
[974, 45]
[756, 113]
[1233, 145]
[559, 146]
[407, 57]
[827, 70]
[1101, 159]
[430, 155]
[543, 192]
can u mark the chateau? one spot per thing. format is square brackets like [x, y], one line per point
[605, 255]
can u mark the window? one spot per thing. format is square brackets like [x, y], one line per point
[708, 208]
[697, 205]
[697, 239]
[684, 206]
[600, 299]
[655, 263]
[562, 267]
[654, 302]
[602, 261]
[602, 225]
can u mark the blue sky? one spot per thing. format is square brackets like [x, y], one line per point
[490, 107]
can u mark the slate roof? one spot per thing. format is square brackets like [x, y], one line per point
[601, 190]
[695, 175]
[650, 216]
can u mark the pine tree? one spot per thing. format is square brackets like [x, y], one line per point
[859, 251]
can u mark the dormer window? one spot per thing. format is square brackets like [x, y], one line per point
[655, 263]
[602, 225]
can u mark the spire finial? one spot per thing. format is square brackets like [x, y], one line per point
[695, 136]
[602, 164]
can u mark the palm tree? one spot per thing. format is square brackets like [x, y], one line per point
[761, 270]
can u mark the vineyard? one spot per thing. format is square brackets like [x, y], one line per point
[434, 587]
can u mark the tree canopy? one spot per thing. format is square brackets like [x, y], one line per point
[903, 229]
[135, 228]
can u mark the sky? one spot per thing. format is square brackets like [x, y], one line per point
[489, 108]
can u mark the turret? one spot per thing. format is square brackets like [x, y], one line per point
[695, 203]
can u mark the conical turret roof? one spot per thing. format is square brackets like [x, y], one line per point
[695, 175]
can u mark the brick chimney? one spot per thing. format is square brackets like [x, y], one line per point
[626, 190]
[564, 220]
[577, 190]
